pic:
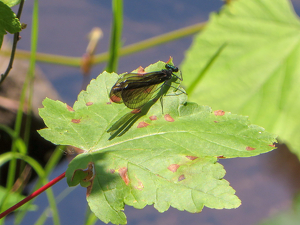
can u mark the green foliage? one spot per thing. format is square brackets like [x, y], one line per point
[14, 198]
[290, 217]
[11, 3]
[8, 21]
[257, 73]
[162, 160]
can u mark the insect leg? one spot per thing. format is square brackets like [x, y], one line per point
[162, 105]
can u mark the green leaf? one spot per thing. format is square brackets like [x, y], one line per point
[8, 21]
[257, 73]
[14, 198]
[11, 3]
[289, 217]
[165, 160]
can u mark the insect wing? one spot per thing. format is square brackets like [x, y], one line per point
[116, 91]
[136, 98]
[139, 91]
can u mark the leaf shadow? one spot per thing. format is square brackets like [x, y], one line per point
[121, 126]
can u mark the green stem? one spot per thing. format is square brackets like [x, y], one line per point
[14, 46]
[116, 35]
[127, 50]
[39, 170]
[50, 166]
[158, 40]
[30, 75]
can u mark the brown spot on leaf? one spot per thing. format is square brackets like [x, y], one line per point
[173, 167]
[219, 113]
[248, 148]
[108, 103]
[89, 189]
[90, 172]
[273, 146]
[140, 186]
[221, 157]
[136, 111]
[181, 177]
[153, 117]
[89, 103]
[142, 124]
[112, 171]
[216, 121]
[123, 174]
[74, 150]
[75, 121]
[86, 175]
[191, 157]
[140, 71]
[169, 118]
[70, 108]
[169, 60]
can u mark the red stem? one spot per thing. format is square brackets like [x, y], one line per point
[33, 195]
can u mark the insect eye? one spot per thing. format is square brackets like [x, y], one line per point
[170, 67]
